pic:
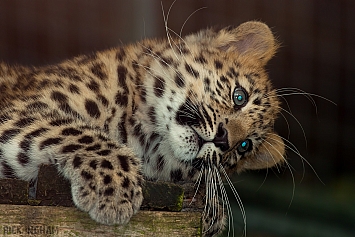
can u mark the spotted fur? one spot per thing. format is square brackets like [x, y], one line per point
[155, 110]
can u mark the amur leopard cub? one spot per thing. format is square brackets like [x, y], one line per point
[193, 108]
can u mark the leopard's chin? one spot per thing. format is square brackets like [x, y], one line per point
[210, 154]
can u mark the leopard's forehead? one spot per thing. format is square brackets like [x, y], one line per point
[209, 75]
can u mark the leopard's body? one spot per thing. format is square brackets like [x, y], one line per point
[167, 110]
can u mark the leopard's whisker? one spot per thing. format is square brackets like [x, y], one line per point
[264, 180]
[186, 44]
[212, 197]
[166, 18]
[209, 194]
[287, 124]
[298, 122]
[289, 167]
[293, 90]
[278, 170]
[225, 202]
[183, 25]
[198, 183]
[181, 53]
[293, 182]
[294, 150]
[296, 90]
[179, 47]
[215, 198]
[158, 59]
[237, 197]
[193, 107]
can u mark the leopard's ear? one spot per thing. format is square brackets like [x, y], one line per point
[252, 38]
[269, 153]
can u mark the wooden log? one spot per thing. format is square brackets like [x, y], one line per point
[13, 191]
[52, 212]
[22, 220]
[55, 191]
[52, 189]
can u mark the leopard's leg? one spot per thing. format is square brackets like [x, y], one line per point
[105, 177]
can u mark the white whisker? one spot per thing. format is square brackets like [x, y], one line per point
[296, 91]
[227, 204]
[288, 125]
[262, 183]
[294, 150]
[198, 182]
[297, 121]
[166, 18]
[236, 195]
[308, 95]
[289, 167]
[183, 25]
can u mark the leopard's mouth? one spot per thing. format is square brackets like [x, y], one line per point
[220, 140]
[200, 141]
[201, 160]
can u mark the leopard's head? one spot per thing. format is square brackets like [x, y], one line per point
[220, 106]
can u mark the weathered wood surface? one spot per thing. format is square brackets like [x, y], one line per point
[22, 220]
[53, 190]
[13, 191]
[51, 211]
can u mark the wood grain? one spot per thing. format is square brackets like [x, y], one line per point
[22, 220]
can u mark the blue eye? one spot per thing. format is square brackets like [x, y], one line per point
[240, 97]
[244, 146]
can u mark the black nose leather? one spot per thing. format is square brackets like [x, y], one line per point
[221, 139]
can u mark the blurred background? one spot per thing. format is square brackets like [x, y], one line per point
[315, 194]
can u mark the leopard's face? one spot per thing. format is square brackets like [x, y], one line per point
[217, 106]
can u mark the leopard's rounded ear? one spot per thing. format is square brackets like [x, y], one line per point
[252, 38]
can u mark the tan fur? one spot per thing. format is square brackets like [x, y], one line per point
[157, 110]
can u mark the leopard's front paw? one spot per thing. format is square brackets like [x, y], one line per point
[117, 206]
[113, 202]
[109, 189]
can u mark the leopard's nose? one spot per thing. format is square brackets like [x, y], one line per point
[221, 138]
